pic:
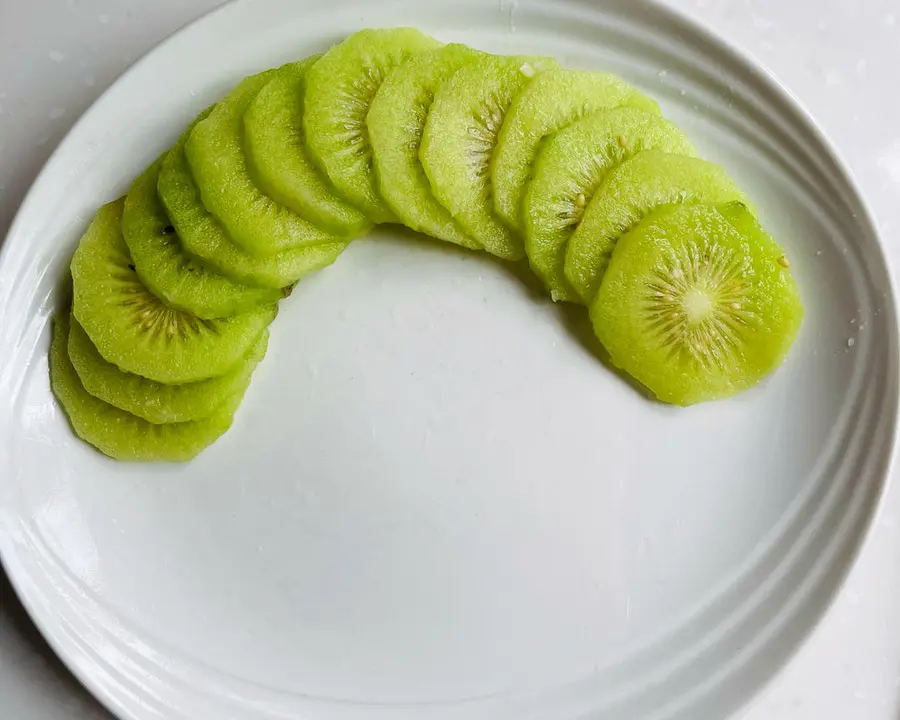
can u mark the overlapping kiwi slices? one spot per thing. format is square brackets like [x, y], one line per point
[174, 286]
[121, 434]
[137, 331]
[340, 88]
[570, 167]
[460, 138]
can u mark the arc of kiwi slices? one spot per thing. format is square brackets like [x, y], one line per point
[215, 153]
[396, 122]
[280, 161]
[203, 236]
[626, 195]
[567, 172]
[138, 332]
[340, 88]
[551, 102]
[153, 401]
[698, 303]
[120, 434]
[460, 137]
[183, 282]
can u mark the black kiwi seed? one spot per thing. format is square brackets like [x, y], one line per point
[168, 230]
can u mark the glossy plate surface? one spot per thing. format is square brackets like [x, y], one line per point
[435, 502]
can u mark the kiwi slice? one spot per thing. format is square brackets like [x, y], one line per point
[569, 168]
[153, 401]
[626, 195]
[279, 160]
[459, 140]
[340, 88]
[215, 152]
[396, 121]
[138, 332]
[203, 236]
[118, 433]
[698, 303]
[167, 271]
[555, 99]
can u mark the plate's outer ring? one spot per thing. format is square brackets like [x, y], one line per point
[781, 641]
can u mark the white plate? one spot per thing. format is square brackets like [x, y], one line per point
[435, 503]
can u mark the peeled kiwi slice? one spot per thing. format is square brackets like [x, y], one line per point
[459, 140]
[555, 99]
[396, 122]
[698, 303]
[215, 152]
[138, 332]
[277, 154]
[203, 236]
[183, 282]
[569, 168]
[628, 193]
[340, 87]
[153, 401]
[120, 434]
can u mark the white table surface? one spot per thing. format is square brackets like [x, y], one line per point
[840, 57]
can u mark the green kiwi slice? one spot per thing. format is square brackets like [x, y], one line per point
[203, 236]
[215, 152]
[555, 99]
[459, 140]
[119, 434]
[626, 195]
[339, 90]
[138, 332]
[396, 122]
[698, 303]
[153, 401]
[569, 167]
[182, 281]
[279, 160]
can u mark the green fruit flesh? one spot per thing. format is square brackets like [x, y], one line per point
[340, 88]
[174, 286]
[215, 153]
[396, 122]
[120, 434]
[183, 282]
[135, 330]
[203, 236]
[628, 193]
[153, 401]
[570, 166]
[280, 162]
[554, 100]
[693, 307]
[459, 140]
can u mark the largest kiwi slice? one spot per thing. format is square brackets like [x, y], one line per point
[552, 101]
[459, 140]
[340, 88]
[138, 332]
[203, 236]
[215, 151]
[277, 153]
[698, 303]
[569, 168]
[120, 434]
[627, 194]
[153, 401]
[167, 271]
[396, 122]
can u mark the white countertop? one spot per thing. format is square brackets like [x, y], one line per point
[840, 57]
